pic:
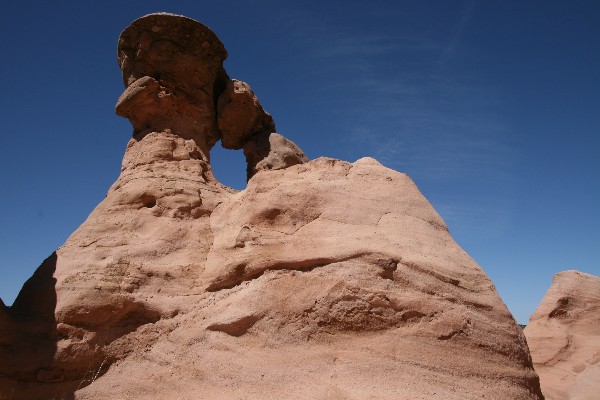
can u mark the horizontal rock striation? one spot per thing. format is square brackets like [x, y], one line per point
[322, 279]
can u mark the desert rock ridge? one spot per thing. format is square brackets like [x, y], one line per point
[564, 337]
[322, 279]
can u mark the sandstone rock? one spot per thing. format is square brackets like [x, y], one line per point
[323, 279]
[240, 115]
[145, 103]
[173, 70]
[564, 337]
[331, 280]
[270, 151]
[28, 334]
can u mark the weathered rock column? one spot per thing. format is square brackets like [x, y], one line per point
[173, 72]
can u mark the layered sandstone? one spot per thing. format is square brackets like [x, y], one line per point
[564, 337]
[322, 279]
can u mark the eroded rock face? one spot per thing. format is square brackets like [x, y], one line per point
[241, 116]
[333, 280]
[322, 279]
[564, 337]
[271, 151]
[28, 335]
[173, 72]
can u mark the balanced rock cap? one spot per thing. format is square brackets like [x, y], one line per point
[173, 73]
[153, 38]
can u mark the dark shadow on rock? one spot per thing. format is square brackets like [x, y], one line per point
[37, 299]
[256, 149]
[28, 340]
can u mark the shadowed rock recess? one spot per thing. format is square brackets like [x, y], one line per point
[323, 279]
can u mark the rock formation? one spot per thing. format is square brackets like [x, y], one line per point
[270, 151]
[240, 115]
[173, 70]
[564, 337]
[322, 279]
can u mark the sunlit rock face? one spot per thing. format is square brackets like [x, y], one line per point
[564, 337]
[322, 279]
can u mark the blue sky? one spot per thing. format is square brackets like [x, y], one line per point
[493, 108]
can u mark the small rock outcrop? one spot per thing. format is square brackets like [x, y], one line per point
[322, 279]
[241, 116]
[564, 337]
[271, 151]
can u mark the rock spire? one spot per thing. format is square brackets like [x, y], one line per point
[175, 84]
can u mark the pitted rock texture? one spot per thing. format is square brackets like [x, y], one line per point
[270, 151]
[324, 279]
[173, 72]
[564, 337]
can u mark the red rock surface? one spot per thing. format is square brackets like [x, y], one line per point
[270, 151]
[240, 115]
[564, 337]
[173, 72]
[322, 279]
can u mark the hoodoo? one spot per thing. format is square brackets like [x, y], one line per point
[322, 279]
